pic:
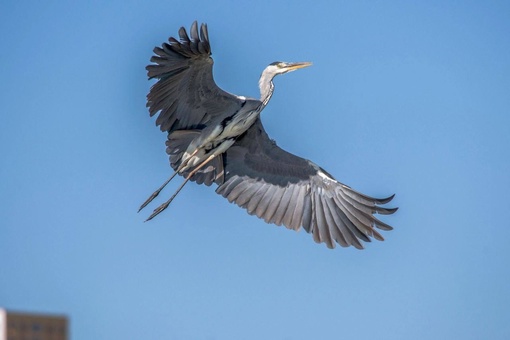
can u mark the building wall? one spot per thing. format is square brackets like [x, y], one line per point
[18, 326]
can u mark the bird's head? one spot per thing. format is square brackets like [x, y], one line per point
[274, 69]
[281, 67]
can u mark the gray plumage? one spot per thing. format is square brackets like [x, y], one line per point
[218, 137]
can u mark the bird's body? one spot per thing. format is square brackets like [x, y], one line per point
[218, 137]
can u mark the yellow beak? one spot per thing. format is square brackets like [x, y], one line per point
[295, 66]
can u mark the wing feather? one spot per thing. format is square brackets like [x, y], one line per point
[247, 195]
[351, 223]
[293, 202]
[307, 214]
[335, 225]
[350, 232]
[273, 205]
[237, 191]
[297, 214]
[256, 198]
[282, 188]
[226, 188]
[285, 203]
[322, 221]
[186, 95]
[313, 223]
[265, 201]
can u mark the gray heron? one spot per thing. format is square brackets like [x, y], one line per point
[218, 137]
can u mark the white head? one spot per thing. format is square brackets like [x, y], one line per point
[278, 67]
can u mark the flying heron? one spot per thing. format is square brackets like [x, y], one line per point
[218, 137]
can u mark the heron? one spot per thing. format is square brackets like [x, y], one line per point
[215, 137]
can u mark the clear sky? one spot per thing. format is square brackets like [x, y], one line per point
[411, 98]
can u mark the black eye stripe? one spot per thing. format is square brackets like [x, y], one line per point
[277, 63]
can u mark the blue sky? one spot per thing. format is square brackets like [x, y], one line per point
[404, 97]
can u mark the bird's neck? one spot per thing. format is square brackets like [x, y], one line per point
[266, 88]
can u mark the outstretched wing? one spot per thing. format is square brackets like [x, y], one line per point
[186, 95]
[282, 188]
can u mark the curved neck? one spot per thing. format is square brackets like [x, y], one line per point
[266, 87]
